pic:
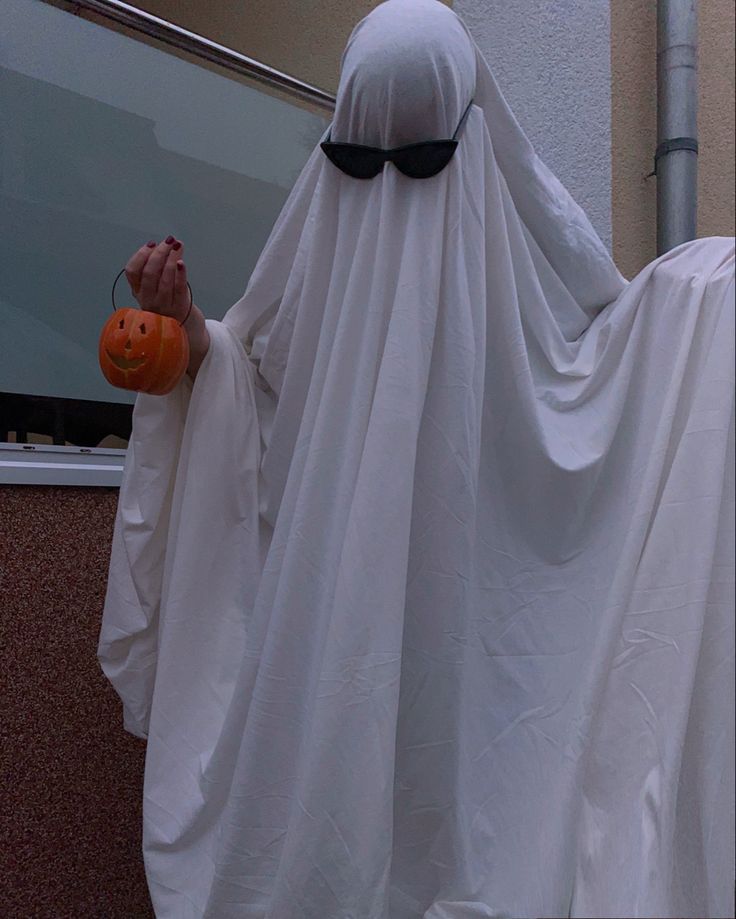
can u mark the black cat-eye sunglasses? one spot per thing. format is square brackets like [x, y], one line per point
[418, 161]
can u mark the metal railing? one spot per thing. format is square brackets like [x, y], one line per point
[198, 45]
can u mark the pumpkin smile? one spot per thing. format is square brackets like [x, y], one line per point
[123, 362]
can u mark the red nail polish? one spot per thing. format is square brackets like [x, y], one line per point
[169, 239]
[151, 244]
[177, 246]
[180, 265]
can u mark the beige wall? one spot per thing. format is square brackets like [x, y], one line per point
[302, 37]
[634, 126]
[716, 62]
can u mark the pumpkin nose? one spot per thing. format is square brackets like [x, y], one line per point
[128, 345]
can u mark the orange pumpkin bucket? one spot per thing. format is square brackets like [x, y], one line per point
[143, 351]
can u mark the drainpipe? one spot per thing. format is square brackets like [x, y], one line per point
[676, 157]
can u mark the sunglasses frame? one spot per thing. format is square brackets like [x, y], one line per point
[388, 155]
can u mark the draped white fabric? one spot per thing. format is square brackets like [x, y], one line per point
[422, 593]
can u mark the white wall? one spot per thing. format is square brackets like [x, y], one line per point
[552, 61]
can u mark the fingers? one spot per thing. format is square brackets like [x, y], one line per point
[181, 291]
[165, 291]
[135, 266]
[156, 281]
[151, 273]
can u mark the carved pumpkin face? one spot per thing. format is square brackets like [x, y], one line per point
[143, 351]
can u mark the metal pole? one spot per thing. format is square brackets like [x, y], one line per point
[676, 157]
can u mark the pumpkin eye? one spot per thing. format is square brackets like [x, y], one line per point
[143, 328]
[122, 324]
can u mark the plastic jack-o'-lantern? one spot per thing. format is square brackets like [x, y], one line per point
[142, 350]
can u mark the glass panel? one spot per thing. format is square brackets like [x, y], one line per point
[108, 142]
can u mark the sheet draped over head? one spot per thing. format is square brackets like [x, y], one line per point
[422, 594]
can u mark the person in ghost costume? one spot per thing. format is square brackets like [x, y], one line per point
[422, 590]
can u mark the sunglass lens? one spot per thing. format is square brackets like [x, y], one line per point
[426, 160]
[360, 164]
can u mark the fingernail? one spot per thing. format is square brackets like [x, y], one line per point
[151, 244]
[180, 265]
[169, 239]
[177, 246]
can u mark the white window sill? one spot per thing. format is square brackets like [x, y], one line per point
[48, 464]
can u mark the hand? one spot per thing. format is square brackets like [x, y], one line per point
[158, 278]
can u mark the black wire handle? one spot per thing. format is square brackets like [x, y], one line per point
[191, 298]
